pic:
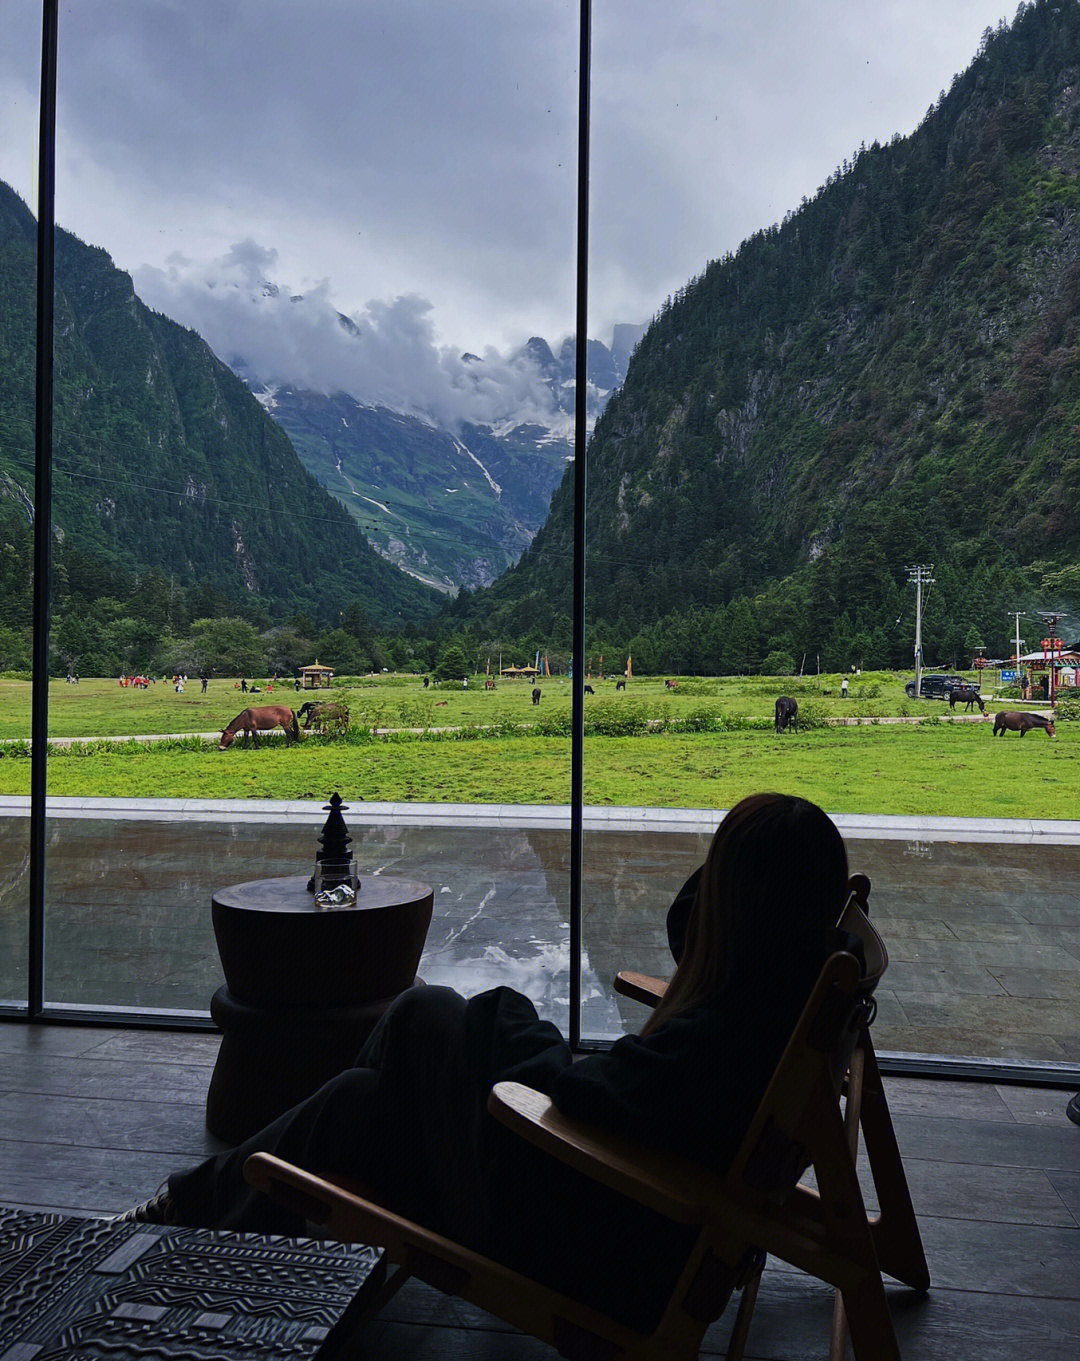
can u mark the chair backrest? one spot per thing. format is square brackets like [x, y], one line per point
[776, 1150]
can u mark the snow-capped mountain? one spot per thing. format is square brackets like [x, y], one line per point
[454, 504]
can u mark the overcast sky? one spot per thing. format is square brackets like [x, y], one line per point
[412, 162]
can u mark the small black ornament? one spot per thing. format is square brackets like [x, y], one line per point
[334, 862]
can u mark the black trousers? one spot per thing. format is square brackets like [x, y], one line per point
[410, 1122]
[405, 1122]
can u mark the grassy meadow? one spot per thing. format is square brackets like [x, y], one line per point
[705, 744]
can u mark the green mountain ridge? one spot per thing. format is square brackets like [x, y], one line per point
[890, 376]
[162, 457]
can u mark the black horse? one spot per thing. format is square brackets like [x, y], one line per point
[787, 713]
[967, 695]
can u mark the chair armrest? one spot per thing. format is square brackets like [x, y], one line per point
[675, 1187]
[642, 987]
[346, 1215]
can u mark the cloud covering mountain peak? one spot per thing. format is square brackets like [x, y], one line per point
[384, 354]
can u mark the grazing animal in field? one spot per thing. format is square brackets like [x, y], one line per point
[589, 690]
[620, 685]
[968, 696]
[251, 722]
[536, 695]
[325, 717]
[489, 685]
[787, 713]
[1008, 720]
[671, 685]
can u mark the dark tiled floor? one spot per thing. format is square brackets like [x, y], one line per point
[92, 1120]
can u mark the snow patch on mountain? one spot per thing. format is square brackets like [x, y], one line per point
[490, 480]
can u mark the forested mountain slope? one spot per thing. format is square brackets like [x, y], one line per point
[890, 376]
[163, 458]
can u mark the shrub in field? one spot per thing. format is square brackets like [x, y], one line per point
[699, 685]
[508, 727]
[811, 714]
[1009, 692]
[554, 724]
[417, 713]
[702, 719]
[365, 717]
[1067, 708]
[612, 719]
[870, 691]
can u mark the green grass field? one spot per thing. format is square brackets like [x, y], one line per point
[99, 708]
[955, 769]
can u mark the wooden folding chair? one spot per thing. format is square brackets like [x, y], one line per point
[894, 1230]
[757, 1207]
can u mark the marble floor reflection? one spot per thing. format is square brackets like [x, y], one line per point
[984, 938]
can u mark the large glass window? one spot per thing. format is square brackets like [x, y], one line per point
[20, 56]
[726, 211]
[315, 373]
[314, 282]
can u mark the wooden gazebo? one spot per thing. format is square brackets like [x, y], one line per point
[316, 677]
[517, 672]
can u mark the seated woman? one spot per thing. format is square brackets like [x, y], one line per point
[750, 932]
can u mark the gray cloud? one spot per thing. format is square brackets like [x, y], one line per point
[385, 353]
[405, 148]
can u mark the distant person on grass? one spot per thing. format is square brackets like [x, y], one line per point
[750, 931]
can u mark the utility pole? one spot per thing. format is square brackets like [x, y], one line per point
[1015, 616]
[919, 576]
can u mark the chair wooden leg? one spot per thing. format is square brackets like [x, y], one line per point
[868, 1321]
[741, 1331]
[852, 1118]
[839, 1340]
[896, 1232]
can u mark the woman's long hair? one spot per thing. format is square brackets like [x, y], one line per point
[773, 882]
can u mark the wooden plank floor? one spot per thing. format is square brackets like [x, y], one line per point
[92, 1120]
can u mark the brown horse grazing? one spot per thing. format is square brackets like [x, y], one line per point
[251, 722]
[1008, 720]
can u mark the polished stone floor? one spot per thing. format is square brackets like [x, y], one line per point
[983, 934]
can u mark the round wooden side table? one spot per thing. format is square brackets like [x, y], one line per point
[304, 986]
